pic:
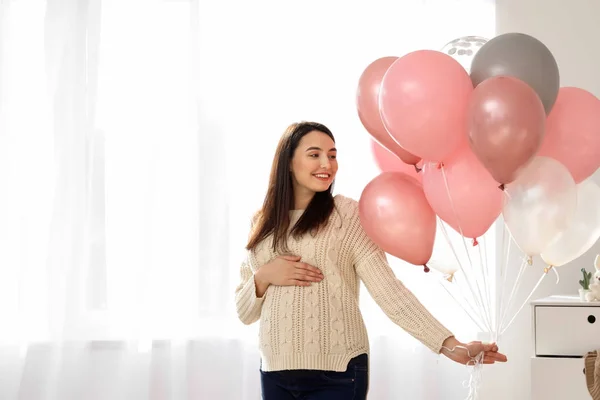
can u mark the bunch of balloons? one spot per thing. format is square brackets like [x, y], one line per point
[476, 130]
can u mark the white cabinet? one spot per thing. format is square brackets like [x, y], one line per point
[564, 330]
[558, 379]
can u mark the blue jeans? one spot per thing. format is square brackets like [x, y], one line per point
[351, 384]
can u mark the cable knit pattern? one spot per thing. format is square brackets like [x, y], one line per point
[333, 278]
[320, 326]
[311, 335]
[286, 325]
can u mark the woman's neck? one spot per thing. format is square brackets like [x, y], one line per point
[302, 198]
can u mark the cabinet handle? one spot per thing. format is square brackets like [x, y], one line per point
[584, 371]
[591, 319]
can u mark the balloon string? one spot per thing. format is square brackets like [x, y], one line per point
[492, 294]
[462, 306]
[473, 384]
[483, 304]
[515, 287]
[485, 263]
[557, 276]
[476, 311]
[447, 237]
[526, 300]
[486, 290]
[503, 275]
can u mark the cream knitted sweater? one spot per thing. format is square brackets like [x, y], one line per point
[320, 326]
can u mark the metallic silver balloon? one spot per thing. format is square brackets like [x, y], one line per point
[520, 56]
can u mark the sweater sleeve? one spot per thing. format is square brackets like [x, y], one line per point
[395, 299]
[247, 304]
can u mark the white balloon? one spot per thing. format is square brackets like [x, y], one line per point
[463, 49]
[540, 204]
[584, 230]
[440, 260]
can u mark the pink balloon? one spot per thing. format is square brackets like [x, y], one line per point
[573, 132]
[506, 126]
[396, 216]
[471, 201]
[423, 102]
[386, 161]
[367, 104]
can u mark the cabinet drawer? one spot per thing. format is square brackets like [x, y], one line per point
[558, 379]
[566, 331]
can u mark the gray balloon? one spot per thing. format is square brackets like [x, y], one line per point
[520, 56]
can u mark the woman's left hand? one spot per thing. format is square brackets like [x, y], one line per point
[469, 353]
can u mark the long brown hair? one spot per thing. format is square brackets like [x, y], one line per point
[274, 218]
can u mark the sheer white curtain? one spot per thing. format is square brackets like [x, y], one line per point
[136, 138]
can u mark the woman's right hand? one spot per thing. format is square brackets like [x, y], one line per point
[285, 271]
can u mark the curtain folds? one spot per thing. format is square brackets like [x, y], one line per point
[136, 139]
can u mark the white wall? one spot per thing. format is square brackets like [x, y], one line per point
[570, 31]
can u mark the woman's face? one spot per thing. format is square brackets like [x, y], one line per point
[314, 163]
